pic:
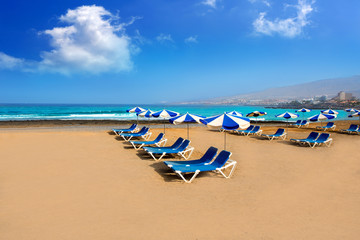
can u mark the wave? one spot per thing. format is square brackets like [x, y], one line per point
[75, 116]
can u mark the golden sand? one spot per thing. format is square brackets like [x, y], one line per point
[85, 184]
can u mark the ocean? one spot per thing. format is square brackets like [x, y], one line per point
[21, 112]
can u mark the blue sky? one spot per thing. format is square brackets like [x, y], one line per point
[167, 51]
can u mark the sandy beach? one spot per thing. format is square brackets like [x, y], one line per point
[83, 183]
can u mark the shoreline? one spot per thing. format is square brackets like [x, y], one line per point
[124, 123]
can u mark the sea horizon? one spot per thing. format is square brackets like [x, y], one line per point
[56, 111]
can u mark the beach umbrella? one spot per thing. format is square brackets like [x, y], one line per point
[239, 114]
[227, 122]
[165, 114]
[147, 114]
[256, 114]
[329, 111]
[351, 110]
[357, 114]
[303, 111]
[186, 118]
[287, 116]
[321, 116]
[136, 110]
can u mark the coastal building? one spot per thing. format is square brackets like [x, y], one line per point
[344, 96]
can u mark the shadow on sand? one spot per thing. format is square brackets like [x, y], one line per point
[170, 176]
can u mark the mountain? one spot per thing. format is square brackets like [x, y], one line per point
[327, 87]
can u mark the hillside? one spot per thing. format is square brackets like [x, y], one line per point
[327, 87]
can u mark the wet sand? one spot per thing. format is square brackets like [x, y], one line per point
[85, 184]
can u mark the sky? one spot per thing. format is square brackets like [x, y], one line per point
[160, 51]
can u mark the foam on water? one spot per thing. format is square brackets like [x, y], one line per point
[17, 112]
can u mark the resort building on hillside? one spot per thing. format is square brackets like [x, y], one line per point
[344, 96]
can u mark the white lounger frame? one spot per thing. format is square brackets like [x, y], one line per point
[272, 137]
[304, 125]
[146, 136]
[297, 140]
[256, 133]
[229, 163]
[327, 143]
[248, 133]
[350, 132]
[241, 132]
[162, 142]
[325, 128]
[185, 154]
[119, 132]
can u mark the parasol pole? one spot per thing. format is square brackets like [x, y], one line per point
[164, 125]
[188, 131]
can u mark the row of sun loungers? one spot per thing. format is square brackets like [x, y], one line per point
[251, 130]
[157, 150]
[281, 134]
[353, 129]
[181, 147]
[131, 129]
[158, 141]
[315, 139]
[143, 133]
[329, 126]
[301, 123]
[305, 123]
[255, 130]
[204, 164]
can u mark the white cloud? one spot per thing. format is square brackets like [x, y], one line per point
[163, 38]
[210, 3]
[191, 39]
[289, 27]
[8, 62]
[266, 2]
[138, 38]
[92, 41]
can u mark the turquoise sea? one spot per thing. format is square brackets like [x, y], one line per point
[118, 112]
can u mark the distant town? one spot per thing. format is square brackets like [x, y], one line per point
[342, 99]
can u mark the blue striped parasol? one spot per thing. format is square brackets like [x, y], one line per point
[227, 122]
[186, 118]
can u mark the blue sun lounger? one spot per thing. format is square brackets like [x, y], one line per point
[352, 129]
[143, 133]
[297, 124]
[255, 131]
[175, 145]
[324, 138]
[312, 136]
[205, 159]
[245, 131]
[329, 125]
[304, 123]
[280, 133]
[184, 150]
[132, 128]
[158, 141]
[221, 162]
